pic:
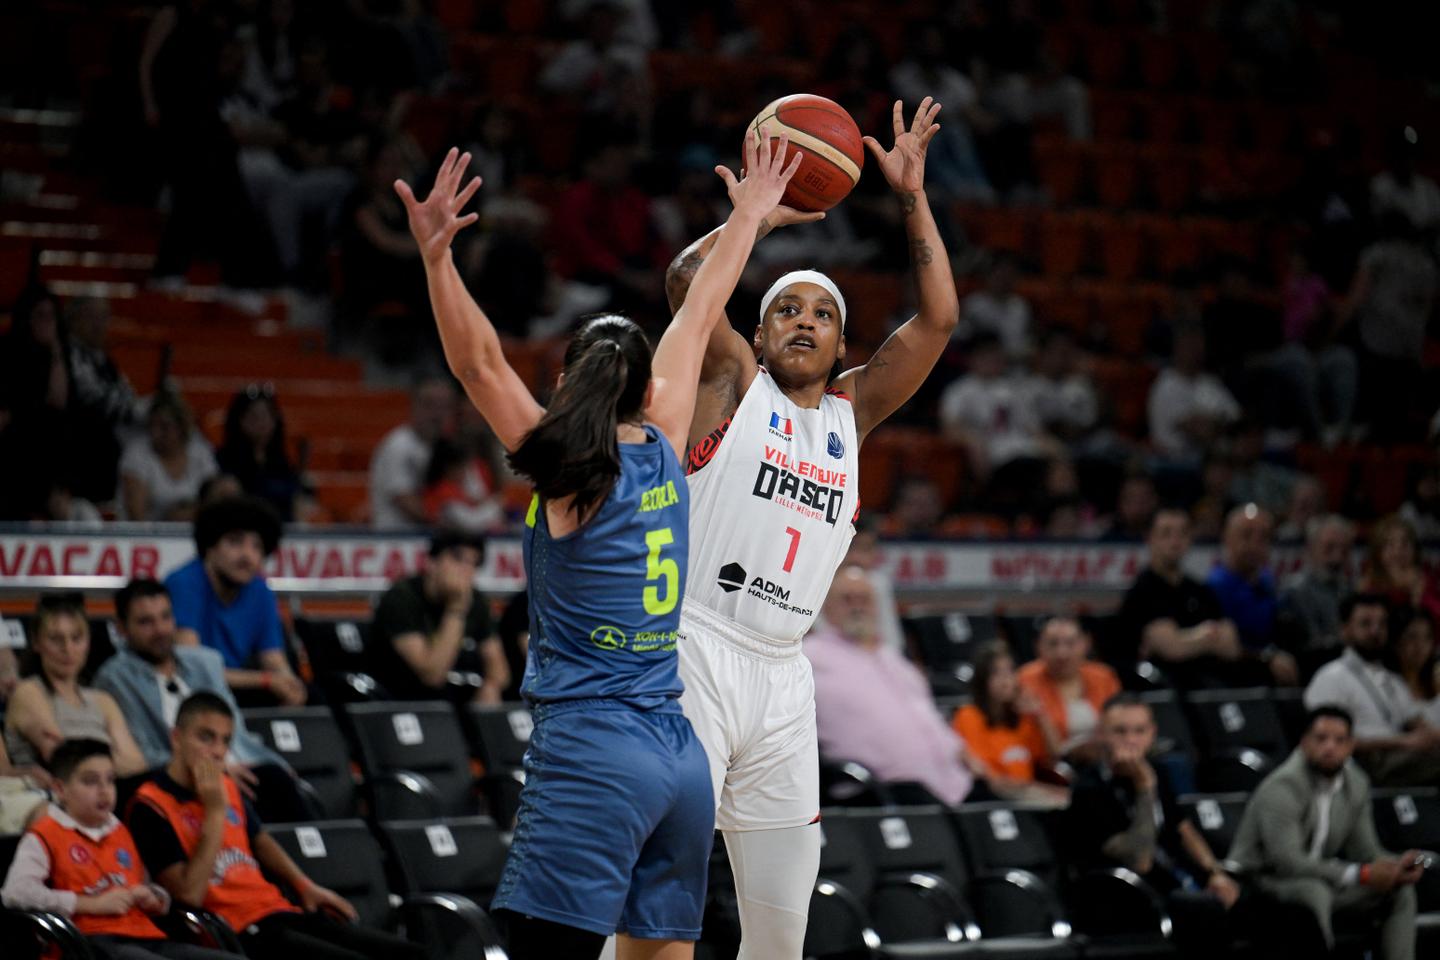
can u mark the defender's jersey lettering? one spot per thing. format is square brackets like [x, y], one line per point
[772, 510]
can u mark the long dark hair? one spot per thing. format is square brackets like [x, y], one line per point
[236, 450]
[996, 714]
[572, 451]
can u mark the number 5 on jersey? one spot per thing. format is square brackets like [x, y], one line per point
[656, 603]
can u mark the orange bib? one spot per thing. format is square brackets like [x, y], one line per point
[238, 891]
[88, 867]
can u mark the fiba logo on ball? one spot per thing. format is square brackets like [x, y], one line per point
[608, 637]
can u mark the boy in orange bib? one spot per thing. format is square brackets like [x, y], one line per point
[80, 861]
[202, 841]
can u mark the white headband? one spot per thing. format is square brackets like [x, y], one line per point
[803, 276]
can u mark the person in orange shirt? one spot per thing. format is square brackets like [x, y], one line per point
[79, 861]
[1071, 689]
[202, 840]
[1006, 730]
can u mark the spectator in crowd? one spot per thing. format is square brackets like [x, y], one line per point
[35, 394]
[1071, 689]
[98, 883]
[917, 509]
[23, 792]
[874, 707]
[1172, 619]
[300, 186]
[1325, 371]
[397, 470]
[1006, 731]
[202, 840]
[865, 552]
[1065, 397]
[435, 625]
[1307, 503]
[461, 489]
[1403, 190]
[1391, 302]
[183, 55]
[997, 309]
[254, 451]
[1135, 508]
[53, 706]
[1308, 837]
[1207, 514]
[927, 71]
[384, 289]
[1245, 587]
[1122, 814]
[1392, 740]
[603, 232]
[161, 472]
[1189, 407]
[101, 399]
[149, 677]
[593, 70]
[1253, 478]
[222, 486]
[1310, 598]
[1414, 658]
[991, 414]
[1422, 502]
[221, 601]
[1393, 568]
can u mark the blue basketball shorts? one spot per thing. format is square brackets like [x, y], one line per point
[616, 822]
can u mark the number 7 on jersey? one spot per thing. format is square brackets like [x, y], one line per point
[794, 545]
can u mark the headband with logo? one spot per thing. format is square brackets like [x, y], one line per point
[803, 276]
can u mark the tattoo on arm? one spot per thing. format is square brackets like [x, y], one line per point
[679, 277]
[921, 253]
[908, 202]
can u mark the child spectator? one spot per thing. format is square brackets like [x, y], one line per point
[79, 860]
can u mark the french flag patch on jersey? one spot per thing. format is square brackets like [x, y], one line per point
[781, 426]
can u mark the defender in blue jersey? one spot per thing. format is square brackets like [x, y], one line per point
[616, 817]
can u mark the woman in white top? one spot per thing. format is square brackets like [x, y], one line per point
[161, 472]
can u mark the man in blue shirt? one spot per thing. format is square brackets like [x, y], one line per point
[1245, 588]
[221, 600]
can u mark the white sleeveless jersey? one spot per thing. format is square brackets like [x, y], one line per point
[773, 496]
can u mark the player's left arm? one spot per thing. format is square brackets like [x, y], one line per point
[905, 359]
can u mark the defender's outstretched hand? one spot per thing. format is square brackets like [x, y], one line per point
[435, 222]
[904, 164]
[766, 176]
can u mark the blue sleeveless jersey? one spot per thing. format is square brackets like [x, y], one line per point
[605, 600]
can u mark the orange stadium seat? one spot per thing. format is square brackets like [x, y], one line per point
[997, 228]
[1165, 117]
[1121, 247]
[1064, 239]
[1159, 61]
[1113, 114]
[1061, 166]
[1116, 177]
[1123, 316]
[1175, 245]
[1107, 55]
[1168, 175]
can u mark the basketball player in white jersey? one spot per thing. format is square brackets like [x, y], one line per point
[774, 449]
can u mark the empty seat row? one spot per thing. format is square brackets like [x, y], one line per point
[414, 760]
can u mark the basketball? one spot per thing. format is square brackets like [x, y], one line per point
[828, 138]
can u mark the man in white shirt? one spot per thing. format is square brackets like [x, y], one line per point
[1188, 407]
[397, 470]
[996, 308]
[991, 412]
[1392, 740]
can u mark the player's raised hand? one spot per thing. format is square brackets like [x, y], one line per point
[904, 164]
[435, 222]
[766, 175]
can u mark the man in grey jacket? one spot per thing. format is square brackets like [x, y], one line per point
[1308, 837]
[150, 675]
